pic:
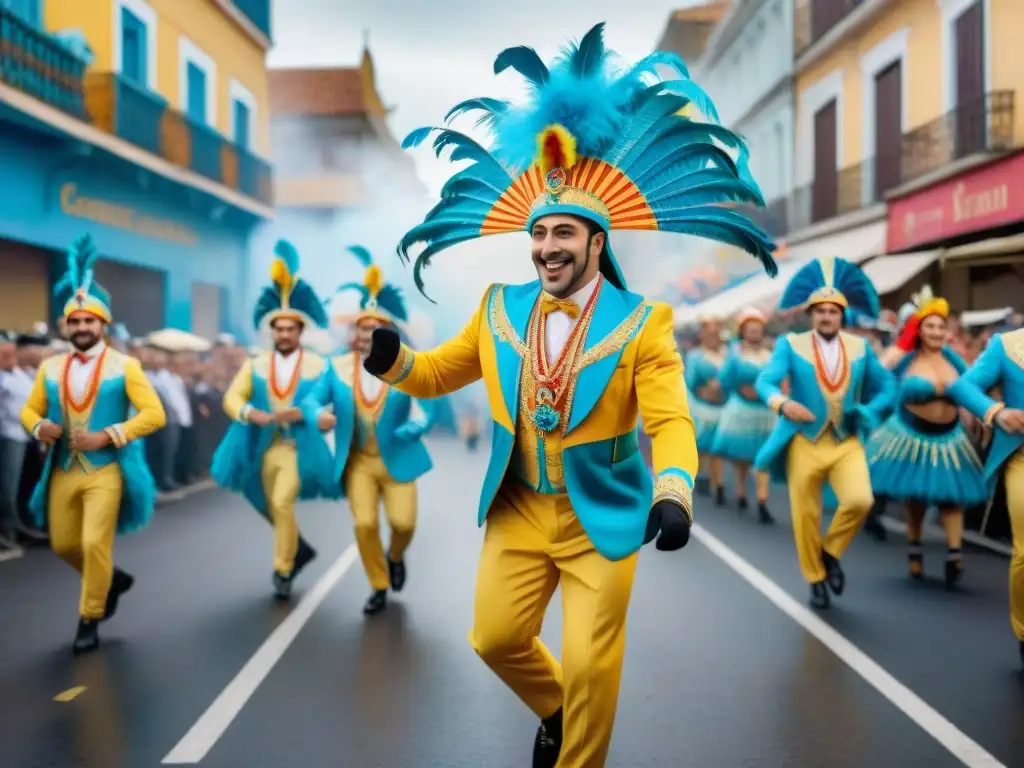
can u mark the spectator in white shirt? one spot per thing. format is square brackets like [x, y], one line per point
[12, 444]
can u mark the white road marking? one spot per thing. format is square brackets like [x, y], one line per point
[208, 729]
[959, 744]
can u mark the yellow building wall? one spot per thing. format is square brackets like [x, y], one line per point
[924, 65]
[235, 53]
[1005, 58]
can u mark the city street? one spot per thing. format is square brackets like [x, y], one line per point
[725, 665]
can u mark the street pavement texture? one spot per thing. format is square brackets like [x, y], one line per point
[725, 666]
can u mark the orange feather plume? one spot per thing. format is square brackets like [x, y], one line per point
[556, 148]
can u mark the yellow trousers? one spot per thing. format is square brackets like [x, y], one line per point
[82, 509]
[367, 482]
[532, 543]
[1015, 501]
[279, 475]
[808, 466]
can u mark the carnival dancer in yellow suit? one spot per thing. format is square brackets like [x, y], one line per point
[269, 454]
[95, 482]
[570, 359]
[839, 392]
[378, 453]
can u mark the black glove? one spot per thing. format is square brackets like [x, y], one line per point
[384, 351]
[671, 521]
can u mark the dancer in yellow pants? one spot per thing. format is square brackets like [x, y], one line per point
[291, 458]
[96, 482]
[1002, 365]
[838, 394]
[569, 362]
[378, 453]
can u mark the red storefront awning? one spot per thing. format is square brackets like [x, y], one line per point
[984, 198]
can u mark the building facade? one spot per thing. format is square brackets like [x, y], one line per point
[144, 124]
[893, 97]
[342, 177]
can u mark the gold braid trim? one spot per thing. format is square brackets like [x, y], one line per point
[618, 338]
[991, 413]
[501, 326]
[400, 371]
[672, 487]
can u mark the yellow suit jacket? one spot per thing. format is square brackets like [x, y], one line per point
[630, 367]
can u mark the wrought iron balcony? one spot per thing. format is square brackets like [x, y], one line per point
[36, 63]
[813, 19]
[982, 125]
[851, 189]
[141, 117]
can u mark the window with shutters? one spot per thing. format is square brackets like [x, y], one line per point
[970, 80]
[825, 188]
[241, 124]
[134, 53]
[888, 129]
[196, 105]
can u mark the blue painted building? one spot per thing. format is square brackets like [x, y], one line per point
[171, 196]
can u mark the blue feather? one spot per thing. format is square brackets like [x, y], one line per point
[487, 105]
[586, 58]
[287, 253]
[304, 299]
[362, 254]
[526, 62]
[417, 137]
[390, 300]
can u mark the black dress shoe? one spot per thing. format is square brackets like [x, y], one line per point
[282, 586]
[819, 596]
[954, 568]
[396, 572]
[836, 578]
[376, 602]
[548, 743]
[763, 515]
[87, 638]
[120, 584]
[303, 557]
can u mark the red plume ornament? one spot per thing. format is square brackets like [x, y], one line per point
[908, 338]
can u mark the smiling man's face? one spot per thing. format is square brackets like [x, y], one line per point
[565, 253]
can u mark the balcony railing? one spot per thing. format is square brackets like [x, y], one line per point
[144, 119]
[814, 19]
[36, 63]
[982, 125]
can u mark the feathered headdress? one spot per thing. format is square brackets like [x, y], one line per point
[77, 290]
[288, 295]
[380, 300]
[831, 281]
[606, 145]
[921, 305]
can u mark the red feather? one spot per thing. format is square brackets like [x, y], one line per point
[553, 150]
[908, 339]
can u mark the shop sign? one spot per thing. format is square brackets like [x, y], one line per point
[988, 197]
[123, 217]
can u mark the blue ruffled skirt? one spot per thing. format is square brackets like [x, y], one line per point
[743, 427]
[705, 420]
[914, 460]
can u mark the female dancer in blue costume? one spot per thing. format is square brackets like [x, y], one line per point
[745, 422]
[701, 371]
[922, 455]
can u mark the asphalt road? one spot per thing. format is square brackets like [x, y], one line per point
[725, 666]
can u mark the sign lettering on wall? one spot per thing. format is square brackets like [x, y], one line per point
[991, 196]
[123, 217]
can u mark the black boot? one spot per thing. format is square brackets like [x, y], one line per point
[376, 602]
[954, 567]
[819, 596]
[548, 743]
[720, 496]
[304, 555]
[87, 638]
[282, 586]
[120, 584]
[396, 573]
[915, 560]
[741, 503]
[763, 515]
[836, 578]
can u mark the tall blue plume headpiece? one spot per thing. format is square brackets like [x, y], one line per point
[379, 299]
[77, 290]
[288, 295]
[830, 280]
[598, 142]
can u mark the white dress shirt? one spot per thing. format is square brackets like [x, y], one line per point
[177, 398]
[370, 386]
[81, 371]
[284, 368]
[830, 353]
[560, 325]
[15, 387]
